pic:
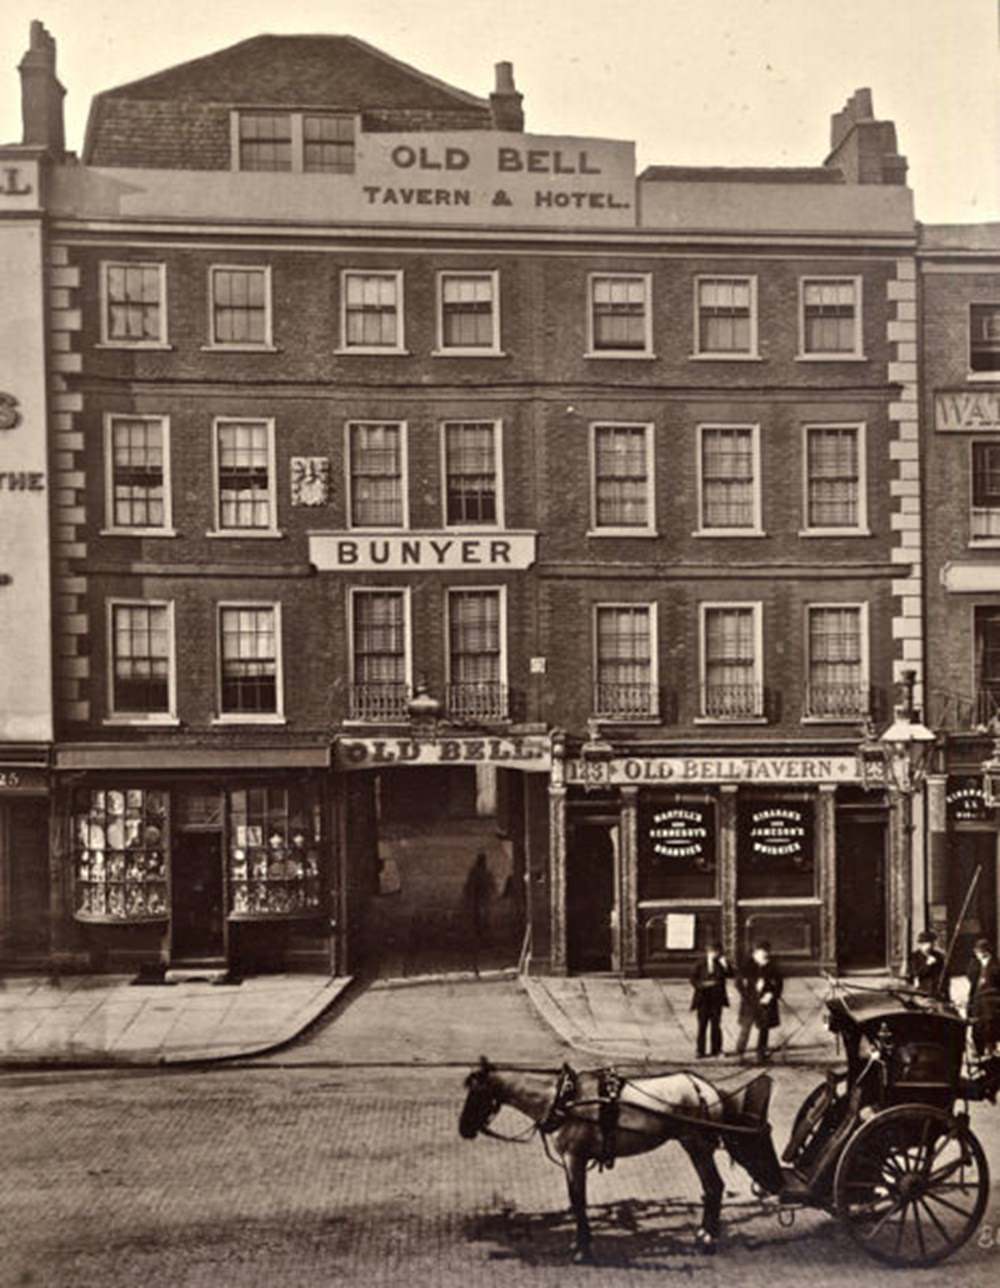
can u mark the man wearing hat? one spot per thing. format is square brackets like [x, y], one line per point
[708, 979]
[984, 998]
[926, 967]
[760, 983]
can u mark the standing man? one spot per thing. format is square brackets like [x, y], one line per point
[478, 894]
[984, 998]
[926, 966]
[760, 983]
[708, 979]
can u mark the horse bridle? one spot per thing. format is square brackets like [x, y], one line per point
[555, 1115]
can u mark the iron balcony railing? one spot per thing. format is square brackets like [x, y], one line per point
[480, 702]
[963, 712]
[625, 701]
[838, 701]
[383, 703]
[732, 701]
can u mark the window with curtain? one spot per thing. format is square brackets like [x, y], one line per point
[838, 684]
[133, 304]
[240, 306]
[625, 663]
[830, 317]
[245, 484]
[141, 659]
[265, 141]
[372, 318]
[619, 312]
[377, 484]
[622, 484]
[379, 655]
[138, 466]
[833, 477]
[726, 324]
[985, 524]
[468, 311]
[728, 478]
[249, 660]
[470, 466]
[475, 655]
[732, 685]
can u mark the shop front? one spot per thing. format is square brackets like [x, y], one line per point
[963, 859]
[187, 860]
[663, 855]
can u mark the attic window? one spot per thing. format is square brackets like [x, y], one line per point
[313, 142]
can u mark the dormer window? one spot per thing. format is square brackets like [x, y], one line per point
[299, 142]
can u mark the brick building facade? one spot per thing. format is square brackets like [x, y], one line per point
[417, 477]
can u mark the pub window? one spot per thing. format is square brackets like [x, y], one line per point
[275, 837]
[372, 312]
[476, 664]
[984, 337]
[835, 499]
[133, 305]
[240, 307]
[468, 313]
[119, 843]
[729, 471]
[625, 662]
[327, 144]
[380, 661]
[244, 451]
[265, 140]
[726, 317]
[136, 453]
[678, 856]
[775, 848]
[619, 315]
[985, 524]
[622, 478]
[141, 651]
[838, 664]
[471, 473]
[376, 452]
[830, 317]
[250, 660]
[732, 684]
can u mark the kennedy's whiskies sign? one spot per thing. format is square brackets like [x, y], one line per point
[472, 177]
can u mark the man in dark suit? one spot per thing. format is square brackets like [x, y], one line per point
[984, 998]
[708, 979]
[760, 983]
[926, 966]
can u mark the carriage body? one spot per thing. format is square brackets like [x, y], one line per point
[880, 1143]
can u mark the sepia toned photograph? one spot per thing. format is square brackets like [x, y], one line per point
[499, 644]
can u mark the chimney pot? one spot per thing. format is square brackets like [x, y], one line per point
[505, 78]
[505, 101]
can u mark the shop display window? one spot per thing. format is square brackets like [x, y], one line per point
[274, 847]
[776, 857]
[119, 843]
[678, 850]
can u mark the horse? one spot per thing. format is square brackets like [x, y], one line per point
[574, 1111]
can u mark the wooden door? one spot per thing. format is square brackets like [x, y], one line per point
[861, 892]
[969, 851]
[590, 897]
[197, 929]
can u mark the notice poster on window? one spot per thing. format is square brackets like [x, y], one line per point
[680, 931]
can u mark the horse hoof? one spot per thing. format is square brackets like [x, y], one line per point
[583, 1257]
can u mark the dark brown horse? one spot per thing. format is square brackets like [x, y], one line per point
[572, 1111]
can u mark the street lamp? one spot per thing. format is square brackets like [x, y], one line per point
[898, 761]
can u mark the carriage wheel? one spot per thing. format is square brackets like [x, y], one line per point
[911, 1185]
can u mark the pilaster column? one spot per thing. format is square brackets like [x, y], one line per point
[900, 857]
[826, 872]
[937, 854]
[557, 875]
[727, 870]
[629, 895]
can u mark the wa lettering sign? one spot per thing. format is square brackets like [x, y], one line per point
[967, 411]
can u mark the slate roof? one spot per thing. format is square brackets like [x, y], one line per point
[741, 174]
[327, 71]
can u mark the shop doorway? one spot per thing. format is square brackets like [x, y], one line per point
[590, 896]
[427, 903]
[24, 844]
[969, 851]
[862, 905]
[197, 924]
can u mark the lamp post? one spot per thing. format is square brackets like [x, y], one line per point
[897, 760]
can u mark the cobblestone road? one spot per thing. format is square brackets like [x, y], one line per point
[300, 1174]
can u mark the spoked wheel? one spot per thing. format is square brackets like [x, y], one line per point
[912, 1185]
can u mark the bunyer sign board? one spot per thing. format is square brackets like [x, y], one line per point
[654, 771]
[439, 551]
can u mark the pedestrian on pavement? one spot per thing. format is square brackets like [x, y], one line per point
[760, 983]
[708, 979]
[478, 894]
[926, 966]
[984, 998]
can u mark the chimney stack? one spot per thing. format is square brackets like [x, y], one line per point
[862, 148]
[505, 101]
[41, 93]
